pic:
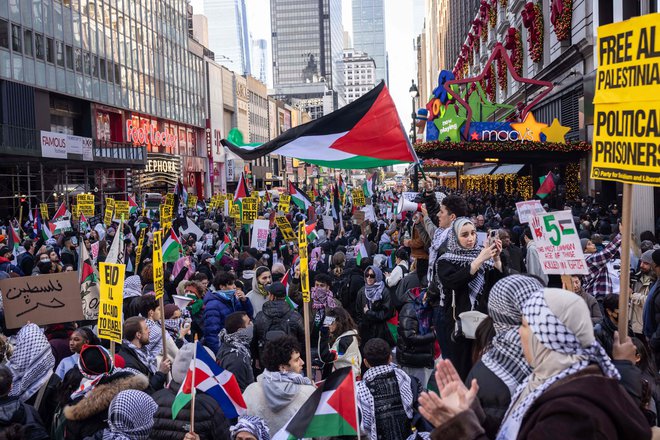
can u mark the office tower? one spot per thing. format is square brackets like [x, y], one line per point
[360, 74]
[260, 60]
[369, 33]
[228, 34]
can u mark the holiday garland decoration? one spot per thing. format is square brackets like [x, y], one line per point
[513, 43]
[561, 17]
[505, 146]
[502, 77]
[504, 3]
[532, 18]
[492, 14]
[490, 84]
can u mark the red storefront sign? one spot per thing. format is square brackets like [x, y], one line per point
[148, 134]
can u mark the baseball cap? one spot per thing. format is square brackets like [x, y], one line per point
[277, 289]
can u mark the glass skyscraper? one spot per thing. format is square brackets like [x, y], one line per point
[228, 34]
[369, 33]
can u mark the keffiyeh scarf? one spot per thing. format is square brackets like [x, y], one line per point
[322, 299]
[31, 363]
[505, 356]
[252, 424]
[555, 336]
[375, 291]
[155, 345]
[131, 416]
[238, 341]
[145, 357]
[89, 381]
[132, 286]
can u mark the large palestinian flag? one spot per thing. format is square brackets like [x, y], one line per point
[329, 412]
[299, 197]
[366, 133]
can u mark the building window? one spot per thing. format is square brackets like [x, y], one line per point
[102, 68]
[60, 53]
[27, 42]
[16, 45]
[50, 50]
[4, 34]
[69, 57]
[39, 46]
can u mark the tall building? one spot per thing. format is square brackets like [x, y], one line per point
[360, 74]
[260, 60]
[369, 33]
[307, 39]
[228, 34]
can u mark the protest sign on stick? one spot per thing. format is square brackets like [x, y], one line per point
[285, 227]
[112, 300]
[43, 207]
[109, 211]
[304, 287]
[528, 209]
[558, 244]
[260, 235]
[249, 209]
[284, 203]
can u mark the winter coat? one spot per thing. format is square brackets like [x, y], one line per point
[235, 363]
[604, 333]
[156, 380]
[272, 312]
[69, 257]
[372, 323]
[344, 352]
[418, 249]
[210, 422]
[216, 309]
[12, 411]
[400, 296]
[352, 282]
[7, 266]
[87, 415]
[607, 414]
[26, 261]
[413, 349]
[494, 397]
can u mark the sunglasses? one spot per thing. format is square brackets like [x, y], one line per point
[370, 275]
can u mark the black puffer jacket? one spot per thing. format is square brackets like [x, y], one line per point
[12, 411]
[276, 315]
[372, 323]
[210, 422]
[413, 349]
[346, 290]
[494, 397]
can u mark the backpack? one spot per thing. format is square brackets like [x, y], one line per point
[278, 327]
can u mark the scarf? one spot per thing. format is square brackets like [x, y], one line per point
[196, 306]
[130, 416]
[252, 424]
[459, 256]
[314, 258]
[281, 388]
[132, 286]
[563, 344]
[89, 381]
[238, 342]
[155, 345]
[256, 286]
[375, 291]
[322, 299]
[505, 356]
[180, 264]
[143, 355]
[31, 363]
[173, 327]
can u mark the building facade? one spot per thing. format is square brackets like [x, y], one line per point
[228, 34]
[260, 60]
[369, 34]
[361, 74]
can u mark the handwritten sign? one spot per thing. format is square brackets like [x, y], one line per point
[358, 197]
[260, 234]
[558, 244]
[304, 268]
[285, 227]
[109, 211]
[122, 209]
[284, 203]
[249, 209]
[46, 299]
[43, 207]
[112, 301]
[192, 202]
[159, 279]
[328, 222]
[528, 209]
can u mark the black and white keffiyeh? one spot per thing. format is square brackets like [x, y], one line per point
[555, 336]
[238, 342]
[505, 356]
[251, 424]
[31, 363]
[145, 356]
[130, 416]
[132, 286]
[155, 345]
[460, 256]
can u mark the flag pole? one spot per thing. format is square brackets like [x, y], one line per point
[193, 390]
[357, 413]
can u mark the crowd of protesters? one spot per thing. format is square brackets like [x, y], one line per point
[449, 323]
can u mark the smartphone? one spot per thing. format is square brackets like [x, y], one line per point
[492, 235]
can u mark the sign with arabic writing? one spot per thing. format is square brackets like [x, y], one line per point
[46, 299]
[112, 301]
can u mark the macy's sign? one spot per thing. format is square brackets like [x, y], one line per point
[148, 135]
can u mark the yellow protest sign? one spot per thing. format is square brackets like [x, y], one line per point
[284, 203]
[85, 203]
[43, 207]
[249, 209]
[166, 213]
[138, 249]
[304, 268]
[192, 202]
[122, 209]
[169, 199]
[159, 278]
[626, 140]
[109, 211]
[358, 197]
[285, 227]
[311, 195]
[112, 299]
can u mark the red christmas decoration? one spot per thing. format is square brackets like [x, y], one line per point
[507, 146]
[502, 78]
[532, 18]
[504, 3]
[513, 43]
[561, 17]
[492, 14]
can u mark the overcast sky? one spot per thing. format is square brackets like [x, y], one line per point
[399, 41]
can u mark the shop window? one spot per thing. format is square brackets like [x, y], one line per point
[16, 41]
[39, 48]
[4, 34]
[27, 42]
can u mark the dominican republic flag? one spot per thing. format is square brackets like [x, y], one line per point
[299, 197]
[368, 185]
[331, 410]
[171, 248]
[207, 376]
[366, 133]
[547, 185]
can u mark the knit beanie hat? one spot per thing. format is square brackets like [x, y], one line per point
[583, 242]
[95, 360]
[647, 257]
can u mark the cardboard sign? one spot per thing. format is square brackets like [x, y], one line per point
[358, 217]
[249, 209]
[122, 209]
[284, 203]
[627, 102]
[43, 207]
[112, 301]
[304, 268]
[260, 234]
[558, 244]
[328, 222]
[109, 211]
[528, 209]
[192, 202]
[358, 197]
[285, 227]
[46, 299]
[159, 278]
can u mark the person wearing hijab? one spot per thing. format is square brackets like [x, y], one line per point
[467, 271]
[572, 392]
[250, 428]
[503, 367]
[31, 364]
[374, 308]
[259, 295]
[130, 416]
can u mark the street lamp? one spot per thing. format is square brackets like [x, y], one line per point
[414, 93]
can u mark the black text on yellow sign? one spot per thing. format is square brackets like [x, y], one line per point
[629, 61]
[304, 269]
[192, 202]
[159, 277]
[122, 209]
[249, 209]
[111, 301]
[138, 249]
[358, 197]
[285, 228]
[43, 207]
[284, 203]
[109, 211]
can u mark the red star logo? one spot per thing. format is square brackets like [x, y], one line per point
[498, 50]
[474, 136]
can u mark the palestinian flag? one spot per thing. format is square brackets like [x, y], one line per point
[287, 298]
[46, 230]
[547, 185]
[330, 411]
[171, 248]
[83, 224]
[342, 187]
[310, 230]
[368, 185]
[393, 326]
[361, 253]
[61, 220]
[132, 206]
[366, 133]
[241, 189]
[223, 248]
[299, 197]
[13, 240]
[89, 287]
[337, 206]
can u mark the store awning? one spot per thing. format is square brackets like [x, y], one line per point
[508, 169]
[445, 175]
[479, 170]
